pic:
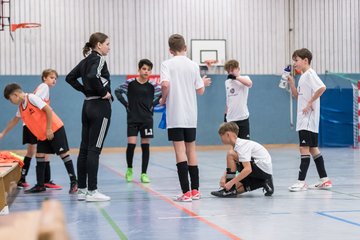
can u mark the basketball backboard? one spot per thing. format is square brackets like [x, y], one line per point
[203, 50]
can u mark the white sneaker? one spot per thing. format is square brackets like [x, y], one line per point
[96, 196]
[299, 186]
[81, 194]
[323, 184]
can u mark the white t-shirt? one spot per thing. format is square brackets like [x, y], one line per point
[184, 78]
[43, 91]
[309, 83]
[236, 100]
[247, 150]
[34, 100]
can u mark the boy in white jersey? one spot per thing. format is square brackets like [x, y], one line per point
[250, 159]
[49, 77]
[237, 90]
[181, 81]
[308, 92]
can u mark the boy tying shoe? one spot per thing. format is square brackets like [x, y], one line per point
[250, 159]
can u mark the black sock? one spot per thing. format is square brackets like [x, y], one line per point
[47, 172]
[25, 168]
[145, 147]
[229, 176]
[194, 177]
[130, 154]
[69, 167]
[40, 171]
[320, 166]
[304, 166]
[183, 173]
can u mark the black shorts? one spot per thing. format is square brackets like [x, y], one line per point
[255, 179]
[58, 144]
[244, 128]
[28, 137]
[145, 129]
[182, 134]
[308, 139]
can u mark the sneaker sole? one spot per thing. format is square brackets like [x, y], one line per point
[97, 200]
[297, 190]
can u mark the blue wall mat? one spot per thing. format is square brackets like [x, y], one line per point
[336, 118]
[268, 106]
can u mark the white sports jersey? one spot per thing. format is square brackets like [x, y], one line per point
[43, 91]
[34, 100]
[236, 100]
[248, 150]
[184, 78]
[309, 83]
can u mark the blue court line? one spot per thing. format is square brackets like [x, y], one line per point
[338, 218]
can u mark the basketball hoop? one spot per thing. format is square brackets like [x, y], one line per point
[211, 65]
[13, 27]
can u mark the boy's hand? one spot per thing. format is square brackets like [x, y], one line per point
[49, 134]
[107, 96]
[308, 108]
[161, 101]
[222, 182]
[231, 76]
[290, 79]
[228, 185]
[1, 135]
[207, 81]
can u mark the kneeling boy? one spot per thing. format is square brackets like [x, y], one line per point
[250, 159]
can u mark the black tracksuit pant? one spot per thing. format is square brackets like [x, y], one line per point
[96, 114]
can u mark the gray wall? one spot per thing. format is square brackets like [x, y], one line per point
[268, 105]
[257, 32]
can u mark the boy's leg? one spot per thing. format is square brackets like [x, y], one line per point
[325, 182]
[231, 167]
[305, 140]
[31, 150]
[40, 174]
[130, 155]
[182, 165]
[145, 148]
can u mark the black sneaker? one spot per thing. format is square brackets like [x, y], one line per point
[73, 187]
[268, 187]
[22, 184]
[225, 194]
[36, 189]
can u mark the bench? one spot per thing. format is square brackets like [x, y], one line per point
[9, 176]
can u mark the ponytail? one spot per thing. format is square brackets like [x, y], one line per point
[95, 38]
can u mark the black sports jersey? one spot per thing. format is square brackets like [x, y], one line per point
[95, 76]
[141, 100]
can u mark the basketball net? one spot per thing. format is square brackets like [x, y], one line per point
[211, 65]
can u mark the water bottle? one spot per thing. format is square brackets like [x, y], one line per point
[283, 81]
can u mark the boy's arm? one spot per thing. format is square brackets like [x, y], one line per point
[316, 95]
[11, 124]
[292, 86]
[207, 82]
[244, 80]
[49, 132]
[119, 91]
[243, 174]
[164, 91]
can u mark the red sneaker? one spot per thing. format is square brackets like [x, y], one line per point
[195, 194]
[22, 184]
[186, 197]
[52, 185]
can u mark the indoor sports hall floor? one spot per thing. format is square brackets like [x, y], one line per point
[139, 211]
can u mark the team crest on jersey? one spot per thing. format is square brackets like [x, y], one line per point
[31, 110]
[232, 90]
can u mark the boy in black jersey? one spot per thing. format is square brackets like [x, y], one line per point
[142, 96]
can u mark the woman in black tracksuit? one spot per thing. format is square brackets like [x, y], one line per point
[96, 113]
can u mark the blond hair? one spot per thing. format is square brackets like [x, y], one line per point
[47, 72]
[228, 127]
